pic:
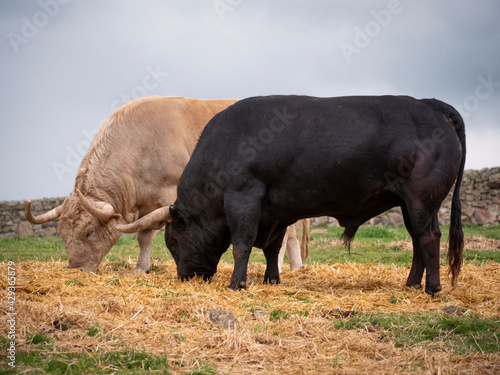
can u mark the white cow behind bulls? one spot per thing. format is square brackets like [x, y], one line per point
[131, 168]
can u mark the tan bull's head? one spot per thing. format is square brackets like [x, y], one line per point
[84, 225]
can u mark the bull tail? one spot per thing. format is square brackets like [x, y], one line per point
[456, 238]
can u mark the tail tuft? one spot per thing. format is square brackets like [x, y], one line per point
[348, 236]
[456, 242]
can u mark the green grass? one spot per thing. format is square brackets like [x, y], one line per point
[371, 245]
[93, 329]
[49, 249]
[376, 245]
[37, 338]
[400, 233]
[458, 334]
[478, 257]
[479, 231]
[41, 360]
[30, 248]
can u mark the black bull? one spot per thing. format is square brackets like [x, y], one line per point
[266, 162]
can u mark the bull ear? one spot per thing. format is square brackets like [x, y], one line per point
[174, 213]
[177, 218]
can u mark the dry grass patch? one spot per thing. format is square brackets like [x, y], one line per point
[110, 310]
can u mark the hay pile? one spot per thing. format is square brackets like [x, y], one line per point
[158, 313]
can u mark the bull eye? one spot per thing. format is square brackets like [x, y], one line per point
[90, 233]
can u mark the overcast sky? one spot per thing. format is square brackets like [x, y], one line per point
[66, 65]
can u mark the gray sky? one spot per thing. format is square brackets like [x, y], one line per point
[67, 64]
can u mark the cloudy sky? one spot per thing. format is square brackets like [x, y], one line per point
[68, 64]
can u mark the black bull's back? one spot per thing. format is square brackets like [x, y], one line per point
[266, 162]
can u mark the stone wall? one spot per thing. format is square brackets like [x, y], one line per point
[13, 221]
[480, 196]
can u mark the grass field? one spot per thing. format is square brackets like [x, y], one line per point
[343, 313]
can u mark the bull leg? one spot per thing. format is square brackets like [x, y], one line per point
[243, 218]
[145, 239]
[426, 236]
[283, 248]
[241, 255]
[271, 252]
[293, 249]
[417, 266]
[429, 242]
[304, 241]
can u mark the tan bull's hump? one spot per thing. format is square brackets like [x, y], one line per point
[110, 134]
[168, 126]
[198, 110]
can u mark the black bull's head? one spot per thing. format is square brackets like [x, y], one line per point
[196, 252]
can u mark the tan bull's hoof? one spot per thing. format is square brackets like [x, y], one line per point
[139, 270]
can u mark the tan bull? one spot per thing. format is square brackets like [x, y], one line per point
[131, 168]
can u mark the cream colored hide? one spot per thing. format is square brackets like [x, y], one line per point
[131, 169]
[297, 253]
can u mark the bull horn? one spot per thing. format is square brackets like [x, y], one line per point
[43, 218]
[154, 217]
[98, 209]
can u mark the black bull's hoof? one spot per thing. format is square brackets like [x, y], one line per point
[272, 281]
[416, 286]
[433, 291]
[237, 286]
[428, 290]
[242, 284]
